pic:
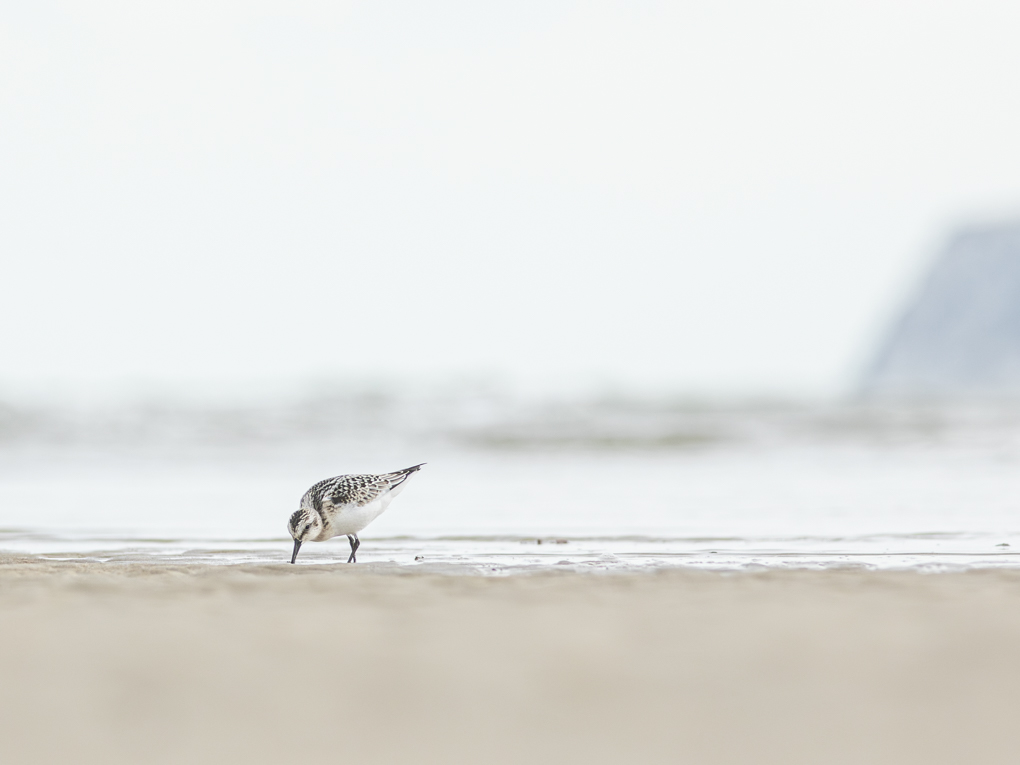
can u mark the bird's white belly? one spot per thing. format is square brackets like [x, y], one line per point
[350, 519]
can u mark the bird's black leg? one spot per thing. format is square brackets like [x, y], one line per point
[355, 544]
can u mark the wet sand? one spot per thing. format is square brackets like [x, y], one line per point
[142, 663]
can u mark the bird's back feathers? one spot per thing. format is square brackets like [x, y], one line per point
[357, 490]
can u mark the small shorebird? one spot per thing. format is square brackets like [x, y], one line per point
[344, 505]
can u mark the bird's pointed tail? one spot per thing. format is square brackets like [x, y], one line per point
[397, 477]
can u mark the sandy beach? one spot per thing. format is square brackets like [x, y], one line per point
[164, 664]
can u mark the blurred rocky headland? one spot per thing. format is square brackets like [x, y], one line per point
[959, 335]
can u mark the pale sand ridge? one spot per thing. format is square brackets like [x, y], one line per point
[270, 664]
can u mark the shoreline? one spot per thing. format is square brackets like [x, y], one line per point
[515, 555]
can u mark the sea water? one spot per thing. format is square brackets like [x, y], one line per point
[514, 485]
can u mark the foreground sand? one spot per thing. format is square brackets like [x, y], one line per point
[276, 664]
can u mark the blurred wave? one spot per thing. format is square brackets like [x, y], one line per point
[494, 422]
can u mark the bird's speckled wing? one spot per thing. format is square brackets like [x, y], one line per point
[357, 489]
[354, 489]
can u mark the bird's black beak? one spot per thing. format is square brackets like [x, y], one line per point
[297, 546]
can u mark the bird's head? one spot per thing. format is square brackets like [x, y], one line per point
[303, 524]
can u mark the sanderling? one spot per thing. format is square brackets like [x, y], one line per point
[344, 505]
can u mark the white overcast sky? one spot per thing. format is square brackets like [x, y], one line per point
[720, 196]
